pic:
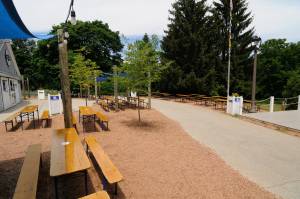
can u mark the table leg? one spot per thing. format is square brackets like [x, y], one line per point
[55, 187]
[116, 189]
[33, 120]
[21, 117]
[38, 116]
[85, 179]
[95, 122]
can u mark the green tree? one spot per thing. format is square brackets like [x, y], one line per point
[83, 72]
[278, 69]
[187, 44]
[96, 42]
[142, 66]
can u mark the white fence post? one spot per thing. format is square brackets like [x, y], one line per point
[272, 104]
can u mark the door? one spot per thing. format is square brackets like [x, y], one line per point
[1, 98]
[5, 93]
[12, 89]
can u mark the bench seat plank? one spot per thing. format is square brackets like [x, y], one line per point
[98, 195]
[28, 179]
[110, 171]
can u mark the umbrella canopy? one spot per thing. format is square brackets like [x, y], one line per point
[11, 24]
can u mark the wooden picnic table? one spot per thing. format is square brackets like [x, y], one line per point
[67, 156]
[182, 97]
[220, 103]
[87, 114]
[29, 111]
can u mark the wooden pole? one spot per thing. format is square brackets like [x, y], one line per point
[96, 90]
[28, 88]
[64, 79]
[149, 90]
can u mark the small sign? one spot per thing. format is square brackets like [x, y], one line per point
[55, 104]
[54, 98]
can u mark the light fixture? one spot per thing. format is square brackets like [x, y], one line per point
[257, 41]
[73, 17]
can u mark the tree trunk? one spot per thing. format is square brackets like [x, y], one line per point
[139, 111]
[65, 81]
[149, 90]
[80, 90]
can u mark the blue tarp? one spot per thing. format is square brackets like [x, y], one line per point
[11, 25]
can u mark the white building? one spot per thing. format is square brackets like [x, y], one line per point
[10, 77]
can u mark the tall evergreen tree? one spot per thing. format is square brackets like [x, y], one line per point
[242, 37]
[186, 44]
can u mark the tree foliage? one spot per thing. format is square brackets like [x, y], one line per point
[197, 41]
[142, 58]
[279, 69]
[94, 40]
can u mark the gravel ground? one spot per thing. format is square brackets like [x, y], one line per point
[157, 159]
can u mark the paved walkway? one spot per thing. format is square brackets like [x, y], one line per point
[289, 119]
[266, 157]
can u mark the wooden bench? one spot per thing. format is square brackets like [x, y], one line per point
[10, 120]
[97, 195]
[109, 170]
[103, 118]
[45, 117]
[28, 179]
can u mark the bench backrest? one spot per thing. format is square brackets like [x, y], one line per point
[109, 170]
[28, 179]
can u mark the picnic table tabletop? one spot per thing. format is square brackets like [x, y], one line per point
[29, 109]
[67, 153]
[86, 111]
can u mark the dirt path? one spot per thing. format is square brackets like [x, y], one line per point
[269, 158]
[158, 160]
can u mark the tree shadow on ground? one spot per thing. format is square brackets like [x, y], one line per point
[71, 186]
[143, 125]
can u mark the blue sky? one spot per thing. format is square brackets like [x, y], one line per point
[272, 18]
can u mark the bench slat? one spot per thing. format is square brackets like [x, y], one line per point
[110, 171]
[98, 195]
[28, 179]
[102, 117]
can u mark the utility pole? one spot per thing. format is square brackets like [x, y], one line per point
[64, 78]
[257, 42]
[229, 51]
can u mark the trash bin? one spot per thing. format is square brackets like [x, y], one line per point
[235, 105]
[41, 94]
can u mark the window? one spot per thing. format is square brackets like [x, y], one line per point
[7, 58]
[4, 85]
[12, 86]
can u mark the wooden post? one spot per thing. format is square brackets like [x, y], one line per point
[96, 90]
[149, 90]
[28, 88]
[116, 88]
[23, 87]
[64, 79]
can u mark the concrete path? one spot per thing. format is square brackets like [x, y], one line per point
[289, 119]
[266, 157]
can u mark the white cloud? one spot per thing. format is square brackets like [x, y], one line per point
[273, 18]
